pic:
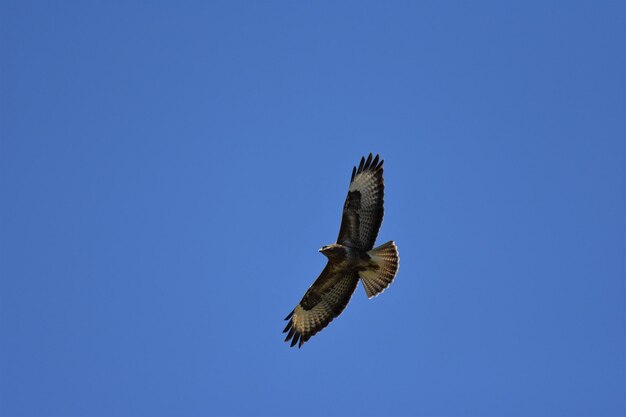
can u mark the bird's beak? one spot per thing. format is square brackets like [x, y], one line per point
[319, 250]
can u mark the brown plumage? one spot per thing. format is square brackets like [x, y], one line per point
[350, 259]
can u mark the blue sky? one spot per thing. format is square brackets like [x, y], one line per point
[168, 172]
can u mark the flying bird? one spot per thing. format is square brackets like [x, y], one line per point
[353, 257]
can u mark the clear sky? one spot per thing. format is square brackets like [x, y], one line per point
[169, 171]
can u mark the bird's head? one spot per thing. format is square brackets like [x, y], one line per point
[333, 251]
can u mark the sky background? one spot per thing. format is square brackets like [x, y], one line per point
[169, 171]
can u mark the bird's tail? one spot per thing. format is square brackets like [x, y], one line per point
[384, 264]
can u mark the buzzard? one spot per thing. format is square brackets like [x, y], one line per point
[351, 258]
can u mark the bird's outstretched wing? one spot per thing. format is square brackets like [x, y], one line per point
[363, 210]
[325, 300]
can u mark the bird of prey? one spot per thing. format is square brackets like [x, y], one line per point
[350, 259]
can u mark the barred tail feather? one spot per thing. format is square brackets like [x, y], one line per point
[385, 263]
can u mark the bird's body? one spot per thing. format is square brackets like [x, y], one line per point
[351, 258]
[340, 259]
